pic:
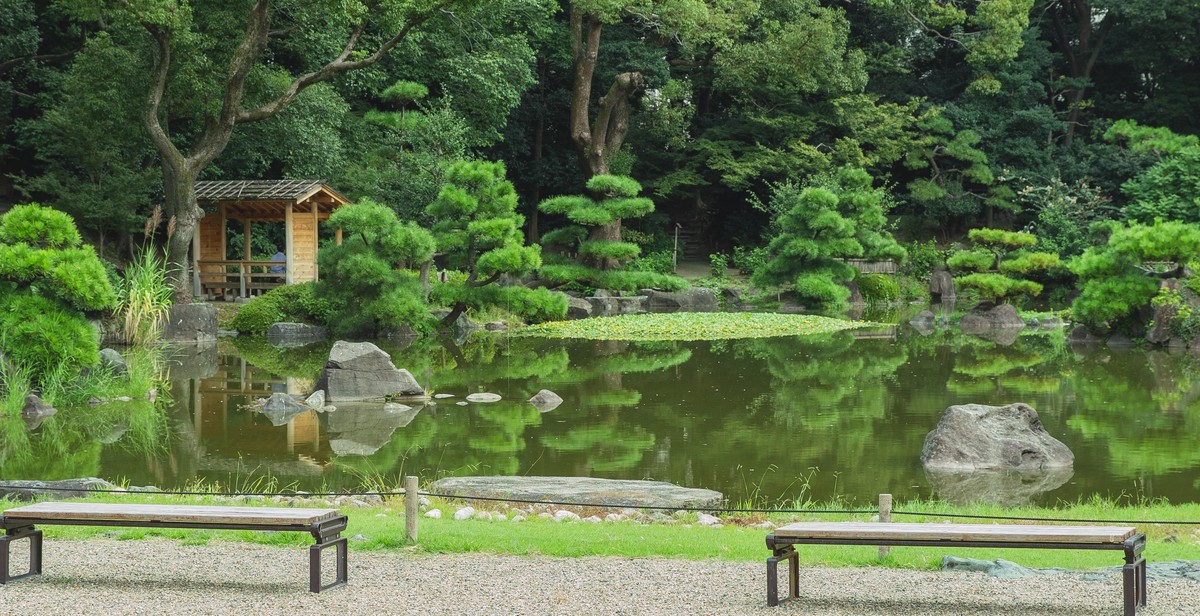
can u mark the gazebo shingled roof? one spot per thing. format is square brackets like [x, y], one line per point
[261, 190]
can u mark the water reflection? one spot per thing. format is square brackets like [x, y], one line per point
[837, 415]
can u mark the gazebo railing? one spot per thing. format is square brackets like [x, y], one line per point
[245, 276]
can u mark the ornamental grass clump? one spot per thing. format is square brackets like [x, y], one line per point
[143, 297]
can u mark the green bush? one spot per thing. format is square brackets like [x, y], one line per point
[923, 258]
[746, 261]
[296, 303]
[878, 288]
[659, 262]
[1004, 251]
[718, 265]
[42, 336]
[971, 261]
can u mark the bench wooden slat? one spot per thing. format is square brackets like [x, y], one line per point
[884, 531]
[281, 516]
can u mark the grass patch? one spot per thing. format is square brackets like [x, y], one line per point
[383, 529]
[690, 326]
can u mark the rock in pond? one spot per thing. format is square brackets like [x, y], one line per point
[941, 286]
[35, 412]
[484, 397]
[112, 361]
[191, 323]
[280, 408]
[362, 429]
[291, 335]
[1008, 488]
[695, 299]
[581, 490]
[361, 371]
[546, 401]
[1003, 316]
[976, 436]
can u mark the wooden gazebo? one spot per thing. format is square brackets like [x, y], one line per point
[299, 204]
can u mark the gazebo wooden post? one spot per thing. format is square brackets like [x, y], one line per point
[316, 239]
[288, 230]
[337, 236]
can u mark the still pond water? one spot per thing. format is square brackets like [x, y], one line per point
[841, 415]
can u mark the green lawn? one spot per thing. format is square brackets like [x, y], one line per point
[383, 528]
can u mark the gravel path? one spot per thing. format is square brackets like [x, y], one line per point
[157, 576]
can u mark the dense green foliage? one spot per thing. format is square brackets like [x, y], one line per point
[48, 279]
[877, 288]
[593, 233]
[371, 282]
[478, 231]
[821, 225]
[1115, 290]
[296, 303]
[996, 265]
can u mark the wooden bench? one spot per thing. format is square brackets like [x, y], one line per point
[325, 525]
[783, 540]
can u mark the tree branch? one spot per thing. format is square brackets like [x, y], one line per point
[340, 64]
[162, 66]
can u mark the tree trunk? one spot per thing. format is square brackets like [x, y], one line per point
[598, 140]
[179, 189]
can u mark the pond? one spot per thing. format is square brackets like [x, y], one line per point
[816, 417]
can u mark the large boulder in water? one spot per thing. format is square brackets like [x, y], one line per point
[362, 371]
[1007, 488]
[980, 437]
[1003, 316]
[941, 286]
[695, 299]
[363, 429]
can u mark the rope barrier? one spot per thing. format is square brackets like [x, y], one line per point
[722, 510]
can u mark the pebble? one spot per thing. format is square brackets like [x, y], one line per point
[563, 514]
[160, 576]
[464, 513]
[434, 513]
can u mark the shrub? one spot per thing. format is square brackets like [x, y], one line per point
[997, 250]
[746, 261]
[877, 288]
[292, 303]
[143, 297]
[718, 265]
[43, 336]
[659, 262]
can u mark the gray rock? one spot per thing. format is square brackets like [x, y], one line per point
[581, 490]
[546, 400]
[696, 299]
[1081, 335]
[484, 397]
[316, 400]
[362, 371]
[731, 295]
[227, 333]
[1003, 316]
[462, 326]
[998, 568]
[191, 323]
[924, 322]
[192, 361]
[66, 488]
[941, 286]
[1119, 341]
[363, 429]
[976, 436]
[612, 306]
[292, 335]
[443, 396]
[35, 412]
[1051, 323]
[1008, 488]
[113, 362]
[578, 308]
[495, 326]
[280, 408]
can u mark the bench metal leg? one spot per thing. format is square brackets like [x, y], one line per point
[35, 552]
[314, 565]
[793, 559]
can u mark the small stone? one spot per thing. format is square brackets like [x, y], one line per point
[94, 401]
[495, 326]
[592, 518]
[546, 401]
[151, 395]
[316, 400]
[443, 396]
[123, 399]
[518, 518]
[359, 538]
[464, 513]
[499, 517]
[483, 515]
[708, 520]
[423, 501]
[381, 515]
[461, 403]
[434, 513]
[484, 397]
[544, 515]
[563, 514]
[614, 517]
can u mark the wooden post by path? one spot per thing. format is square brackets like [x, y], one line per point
[885, 515]
[411, 502]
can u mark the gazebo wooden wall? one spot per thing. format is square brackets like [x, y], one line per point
[299, 204]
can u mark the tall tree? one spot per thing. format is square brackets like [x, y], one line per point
[368, 32]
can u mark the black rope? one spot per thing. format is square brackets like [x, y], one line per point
[1036, 519]
[382, 494]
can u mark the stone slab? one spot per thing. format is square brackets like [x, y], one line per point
[581, 490]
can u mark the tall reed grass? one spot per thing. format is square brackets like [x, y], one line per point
[143, 297]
